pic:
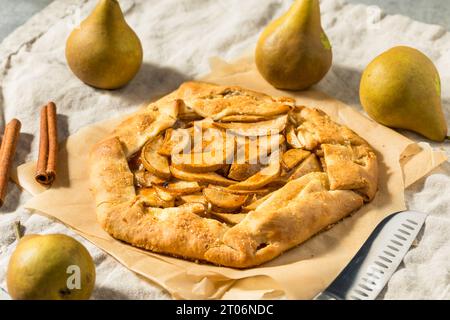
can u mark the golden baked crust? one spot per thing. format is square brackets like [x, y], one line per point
[279, 219]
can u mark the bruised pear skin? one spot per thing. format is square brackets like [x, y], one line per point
[293, 52]
[50, 267]
[401, 88]
[104, 52]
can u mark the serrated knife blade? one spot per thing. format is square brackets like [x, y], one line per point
[371, 268]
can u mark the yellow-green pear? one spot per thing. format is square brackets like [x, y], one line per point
[293, 52]
[50, 267]
[401, 88]
[104, 51]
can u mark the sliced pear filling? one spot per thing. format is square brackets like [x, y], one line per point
[310, 164]
[144, 179]
[256, 150]
[193, 198]
[243, 118]
[241, 172]
[164, 194]
[182, 187]
[231, 167]
[262, 178]
[202, 162]
[150, 198]
[207, 138]
[258, 192]
[253, 205]
[209, 177]
[153, 161]
[175, 141]
[291, 137]
[229, 218]
[293, 157]
[198, 166]
[224, 201]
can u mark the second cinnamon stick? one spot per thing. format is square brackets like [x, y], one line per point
[48, 145]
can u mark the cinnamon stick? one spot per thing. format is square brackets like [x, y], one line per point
[7, 151]
[41, 170]
[48, 145]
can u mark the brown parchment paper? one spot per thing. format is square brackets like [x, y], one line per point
[299, 273]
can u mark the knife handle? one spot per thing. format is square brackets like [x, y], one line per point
[325, 296]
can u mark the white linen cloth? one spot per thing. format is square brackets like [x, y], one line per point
[178, 37]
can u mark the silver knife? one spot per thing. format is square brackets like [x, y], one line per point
[371, 268]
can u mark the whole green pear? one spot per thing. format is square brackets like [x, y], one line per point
[50, 267]
[293, 52]
[104, 51]
[401, 88]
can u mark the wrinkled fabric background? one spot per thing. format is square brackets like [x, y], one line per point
[178, 37]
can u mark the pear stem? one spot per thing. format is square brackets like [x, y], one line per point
[17, 231]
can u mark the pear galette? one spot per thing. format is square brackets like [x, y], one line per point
[228, 175]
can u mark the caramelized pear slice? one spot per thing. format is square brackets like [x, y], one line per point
[255, 150]
[224, 201]
[193, 198]
[310, 164]
[196, 208]
[213, 140]
[150, 198]
[175, 141]
[229, 218]
[146, 179]
[243, 118]
[255, 129]
[241, 172]
[167, 145]
[252, 206]
[293, 157]
[262, 178]
[292, 138]
[153, 161]
[181, 187]
[259, 192]
[295, 116]
[224, 170]
[209, 177]
[164, 194]
[198, 167]
[202, 162]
